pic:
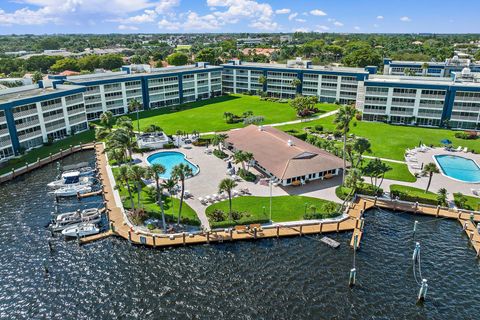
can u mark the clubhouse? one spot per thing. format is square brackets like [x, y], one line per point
[286, 159]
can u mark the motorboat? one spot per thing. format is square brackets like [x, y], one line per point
[70, 191]
[83, 168]
[71, 219]
[72, 178]
[81, 230]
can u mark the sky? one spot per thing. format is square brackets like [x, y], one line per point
[201, 16]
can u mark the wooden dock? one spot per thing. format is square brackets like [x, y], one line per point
[42, 162]
[472, 234]
[96, 237]
[89, 194]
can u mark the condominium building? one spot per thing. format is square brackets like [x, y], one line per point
[431, 69]
[34, 114]
[329, 84]
[423, 101]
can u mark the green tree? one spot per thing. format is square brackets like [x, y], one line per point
[155, 171]
[107, 121]
[111, 61]
[37, 76]
[40, 63]
[364, 56]
[177, 59]
[227, 185]
[207, 55]
[65, 64]
[134, 106]
[137, 174]
[343, 118]
[356, 150]
[429, 169]
[90, 62]
[376, 169]
[181, 172]
[218, 140]
[123, 176]
[354, 179]
[442, 197]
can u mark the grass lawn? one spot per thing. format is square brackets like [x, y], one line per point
[284, 208]
[414, 194]
[390, 141]
[399, 172]
[207, 115]
[43, 152]
[473, 203]
[171, 213]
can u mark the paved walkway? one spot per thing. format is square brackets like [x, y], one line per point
[384, 159]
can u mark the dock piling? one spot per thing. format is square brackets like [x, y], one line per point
[278, 231]
[422, 294]
[353, 277]
[184, 240]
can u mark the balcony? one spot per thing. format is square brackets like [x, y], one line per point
[404, 94]
[433, 96]
[401, 113]
[53, 117]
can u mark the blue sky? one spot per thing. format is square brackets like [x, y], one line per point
[168, 16]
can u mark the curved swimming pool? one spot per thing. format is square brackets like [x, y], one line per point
[170, 159]
[459, 168]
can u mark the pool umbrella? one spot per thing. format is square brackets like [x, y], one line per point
[446, 141]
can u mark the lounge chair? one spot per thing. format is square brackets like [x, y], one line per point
[459, 148]
[465, 149]
[412, 159]
[235, 193]
[476, 192]
[415, 166]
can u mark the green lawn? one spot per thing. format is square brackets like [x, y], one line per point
[390, 141]
[399, 172]
[414, 194]
[207, 115]
[473, 203]
[284, 208]
[43, 152]
[171, 213]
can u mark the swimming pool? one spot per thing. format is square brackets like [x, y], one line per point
[459, 168]
[170, 159]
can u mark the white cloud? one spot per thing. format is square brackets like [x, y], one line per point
[405, 19]
[301, 20]
[317, 12]
[165, 6]
[147, 16]
[292, 16]
[380, 17]
[357, 28]
[376, 25]
[25, 17]
[125, 27]
[283, 11]
[321, 28]
[304, 30]
[197, 22]
[264, 25]
[168, 25]
[338, 24]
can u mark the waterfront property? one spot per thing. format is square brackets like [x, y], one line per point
[170, 159]
[286, 159]
[428, 68]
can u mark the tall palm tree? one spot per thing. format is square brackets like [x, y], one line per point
[218, 139]
[125, 123]
[170, 184]
[107, 120]
[121, 139]
[116, 154]
[442, 196]
[135, 105]
[154, 171]
[123, 176]
[430, 169]
[181, 172]
[343, 118]
[227, 185]
[137, 174]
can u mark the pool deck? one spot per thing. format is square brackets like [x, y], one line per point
[352, 221]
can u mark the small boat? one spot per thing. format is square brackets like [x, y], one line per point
[70, 219]
[82, 167]
[70, 191]
[81, 230]
[72, 178]
[84, 171]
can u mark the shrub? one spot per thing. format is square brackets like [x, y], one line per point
[318, 127]
[247, 175]
[237, 215]
[366, 189]
[413, 195]
[138, 216]
[253, 120]
[219, 154]
[201, 142]
[460, 200]
[169, 145]
[150, 226]
[337, 134]
[466, 135]
[216, 215]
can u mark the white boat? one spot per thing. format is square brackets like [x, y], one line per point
[71, 219]
[72, 178]
[70, 191]
[84, 172]
[81, 230]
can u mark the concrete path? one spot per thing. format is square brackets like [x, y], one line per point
[384, 159]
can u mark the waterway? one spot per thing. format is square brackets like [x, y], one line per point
[299, 278]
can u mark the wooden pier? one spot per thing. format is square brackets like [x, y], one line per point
[352, 222]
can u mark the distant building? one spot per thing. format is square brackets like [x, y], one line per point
[249, 41]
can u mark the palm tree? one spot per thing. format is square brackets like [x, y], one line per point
[170, 184]
[262, 80]
[442, 196]
[227, 185]
[154, 171]
[121, 139]
[430, 169]
[218, 139]
[154, 128]
[137, 174]
[123, 176]
[135, 105]
[116, 154]
[106, 124]
[181, 172]
[342, 119]
[125, 123]
[179, 135]
[296, 83]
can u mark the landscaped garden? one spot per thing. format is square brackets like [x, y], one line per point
[213, 114]
[391, 141]
[412, 194]
[251, 209]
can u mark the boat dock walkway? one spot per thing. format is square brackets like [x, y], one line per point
[352, 221]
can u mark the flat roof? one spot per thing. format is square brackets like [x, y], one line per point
[30, 91]
[421, 80]
[284, 66]
[282, 154]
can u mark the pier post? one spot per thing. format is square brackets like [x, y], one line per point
[338, 226]
[394, 204]
[61, 152]
[208, 237]
[472, 217]
[355, 242]
[362, 212]
[416, 206]
[230, 231]
[438, 211]
[320, 227]
[375, 201]
[364, 205]
[356, 223]
[423, 291]
[112, 226]
[353, 277]
[415, 227]
[471, 236]
[154, 238]
[301, 230]
[255, 233]
[183, 236]
[130, 236]
[362, 223]
[50, 156]
[278, 231]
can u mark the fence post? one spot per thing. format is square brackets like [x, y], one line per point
[321, 227]
[438, 211]
[338, 226]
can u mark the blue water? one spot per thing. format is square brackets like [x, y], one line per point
[170, 159]
[459, 168]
